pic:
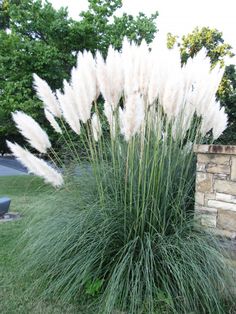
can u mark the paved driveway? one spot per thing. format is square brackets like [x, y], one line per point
[11, 167]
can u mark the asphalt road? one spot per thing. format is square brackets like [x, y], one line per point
[9, 166]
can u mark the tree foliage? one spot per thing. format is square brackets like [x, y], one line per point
[218, 51]
[211, 39]
[227, 96]
[36, 38]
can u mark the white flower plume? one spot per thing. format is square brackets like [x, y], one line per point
[32, 131]
[166, 80]
[45, 94]
[68, 107]
[110, 76]
[144, 68]
[52, 121]
[96, 127]
[141, 80]
[220, 123]
[84, 84]
[215, 119]
[131, 67]
[36, 165]
[132, 116]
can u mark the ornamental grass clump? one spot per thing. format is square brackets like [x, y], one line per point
[120, 227]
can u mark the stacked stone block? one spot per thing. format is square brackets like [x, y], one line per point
[215, 199]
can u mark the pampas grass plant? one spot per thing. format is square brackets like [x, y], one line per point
[122, 228]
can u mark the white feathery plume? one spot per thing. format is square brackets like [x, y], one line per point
[182, 122]
[165, 74]
[132, 116]
[221, 122]
[45, 94]
[86, 66]
[204, 126]
[114, 70]
[69, 109]
[136, 67]
[208, 118]
[52, 121]
[145, 78]
[215, 119]
[145, 68]
[187, 116]
[96, 127]
[84, 84]
[110, 76]
[200, 86]
[216, 74]
[32, 131]
[154, 83]
[171, 97]
[82, 102]
[36, 165]
[131, 65]
[135, 71]
[110, 115]
[169, 78]
[214, 79]
[201, 83]
[103, 80]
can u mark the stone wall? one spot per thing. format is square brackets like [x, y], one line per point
[215, 199]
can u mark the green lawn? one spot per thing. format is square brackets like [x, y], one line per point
[24, 191]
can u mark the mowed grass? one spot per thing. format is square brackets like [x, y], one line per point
[25, 192]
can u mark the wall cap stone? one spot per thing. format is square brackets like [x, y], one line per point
[215, 149]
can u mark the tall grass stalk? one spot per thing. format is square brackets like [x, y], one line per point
[125, 222]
